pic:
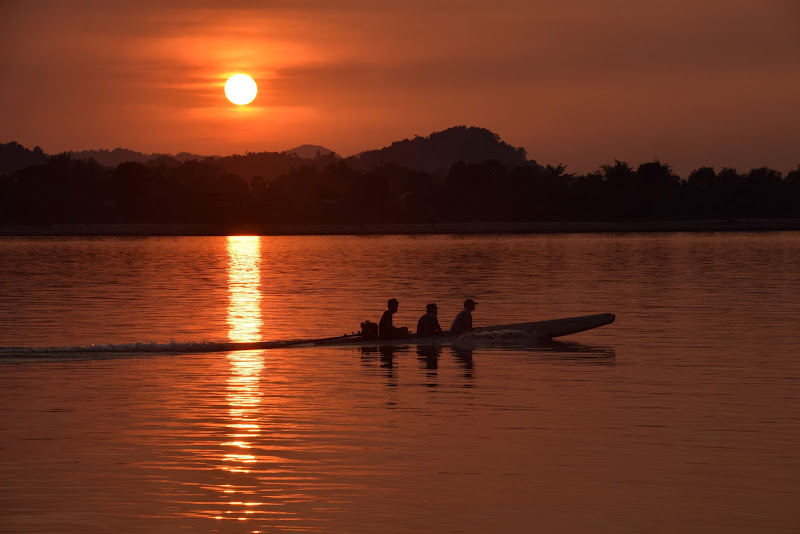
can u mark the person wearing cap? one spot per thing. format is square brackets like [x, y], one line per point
[428, 324]
[463, 321]
[387, 330]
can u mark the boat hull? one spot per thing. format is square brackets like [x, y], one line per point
[557, 327]
[536, 330]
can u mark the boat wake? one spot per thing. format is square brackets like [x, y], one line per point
[145, 348]
[521, 336]
[533, 333]
[562, 352]
[110, 350]
[520, 333]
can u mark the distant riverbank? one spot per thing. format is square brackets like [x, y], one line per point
[719, 225]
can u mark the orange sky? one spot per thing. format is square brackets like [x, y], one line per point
[580, 82]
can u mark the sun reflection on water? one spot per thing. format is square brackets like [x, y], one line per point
[244, 393]
[244, 288]
[265, 477]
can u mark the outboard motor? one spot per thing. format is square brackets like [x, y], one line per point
[369, 330]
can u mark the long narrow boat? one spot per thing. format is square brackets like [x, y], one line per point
[556, 327]
[537, 330]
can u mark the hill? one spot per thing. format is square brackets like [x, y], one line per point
[112, 158]
[310, 151]
[437, 152]
[434, 154]
[268, 166]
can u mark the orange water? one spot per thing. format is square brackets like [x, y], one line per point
[680, 417]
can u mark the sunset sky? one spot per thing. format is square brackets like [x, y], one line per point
[579, 82]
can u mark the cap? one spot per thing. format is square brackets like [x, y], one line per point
[470, 301]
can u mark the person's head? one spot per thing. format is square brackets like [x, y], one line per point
[470, 304]
[393, 304]
[431, 308]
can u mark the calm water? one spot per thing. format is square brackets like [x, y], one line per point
[683, 416]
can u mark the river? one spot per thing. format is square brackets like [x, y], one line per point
[682, 416]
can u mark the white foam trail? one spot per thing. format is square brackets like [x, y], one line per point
[499, 335]
[138, 347]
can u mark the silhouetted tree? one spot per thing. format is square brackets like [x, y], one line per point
[657, 191]
[14, 157]
[762, 191]
[326, 189]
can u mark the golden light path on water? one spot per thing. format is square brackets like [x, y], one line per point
[244, 394]
[244, 288]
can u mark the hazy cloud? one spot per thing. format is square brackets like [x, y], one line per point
[568, 79]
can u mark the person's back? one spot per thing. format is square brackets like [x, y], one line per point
[428, 324]
[463, 321]
[386, 328]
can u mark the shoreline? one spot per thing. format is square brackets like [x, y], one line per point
[558, 227]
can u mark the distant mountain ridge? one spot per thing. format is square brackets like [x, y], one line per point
[310, 151]
[435, 154]
[112, 158]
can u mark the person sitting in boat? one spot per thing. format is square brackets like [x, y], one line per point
[463, 321]
[387, 330]
[428, 324]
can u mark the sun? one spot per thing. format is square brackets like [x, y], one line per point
[240, 89]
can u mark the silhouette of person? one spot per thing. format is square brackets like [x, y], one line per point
[463, 321]
[428, 324]
[387, 330]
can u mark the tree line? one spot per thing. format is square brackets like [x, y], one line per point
[68, 190]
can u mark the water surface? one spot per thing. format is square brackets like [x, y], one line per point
[681, 416]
